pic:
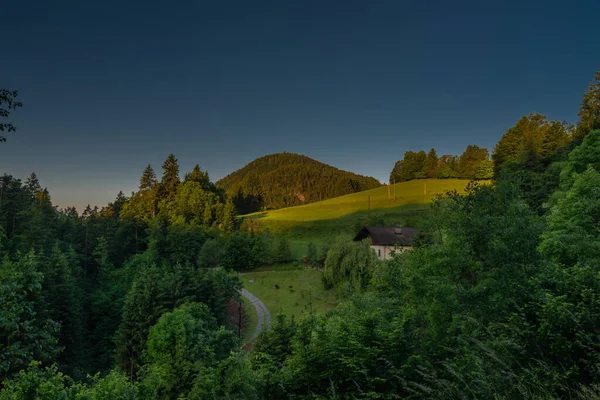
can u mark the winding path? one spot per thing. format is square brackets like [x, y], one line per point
[264, 316]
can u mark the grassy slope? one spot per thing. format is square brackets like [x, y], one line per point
[305, 285]
[323, 221]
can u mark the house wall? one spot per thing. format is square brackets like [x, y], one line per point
[385, 252]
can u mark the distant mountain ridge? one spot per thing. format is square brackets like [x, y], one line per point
[290, 179]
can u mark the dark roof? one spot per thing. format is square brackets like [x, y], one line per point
[388, 235]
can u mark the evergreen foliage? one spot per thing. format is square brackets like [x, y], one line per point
[288, 179]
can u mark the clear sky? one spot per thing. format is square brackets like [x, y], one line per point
[110, 86]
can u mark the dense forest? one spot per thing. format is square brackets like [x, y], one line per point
[498, 299]
[288, 179]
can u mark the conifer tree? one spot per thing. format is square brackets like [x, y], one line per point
[430, 166]
[199, 176]
[148, 179]
[33, 185]
[229, 216]
[589, 112]
[170, 178]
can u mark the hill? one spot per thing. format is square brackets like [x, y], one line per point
[322, 221]
[289, 179]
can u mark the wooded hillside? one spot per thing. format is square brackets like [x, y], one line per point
[289, 179]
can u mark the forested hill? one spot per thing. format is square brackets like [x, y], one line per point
[289, 179]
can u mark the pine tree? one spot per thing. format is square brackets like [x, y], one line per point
[170, 178]
[430, 166]
[33, 185]
[148, 179]
[229, 217]
[199, 176]
[589, 112]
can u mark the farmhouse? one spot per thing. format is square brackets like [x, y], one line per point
[385, 239]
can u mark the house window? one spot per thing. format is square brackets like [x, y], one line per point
[379, 250]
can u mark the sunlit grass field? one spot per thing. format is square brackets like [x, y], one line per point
[414, 193]
[299, 291]
[343, 216]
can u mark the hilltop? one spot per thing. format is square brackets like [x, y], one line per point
[289, 179]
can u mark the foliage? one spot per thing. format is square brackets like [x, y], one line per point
[8, 103]
[532, 139]
[182, 344]
[26, 329]
[210, 254]
[589, 112]
[282, 253]
[349, 263]
[160, 289]
[288, 179]
[418, 165]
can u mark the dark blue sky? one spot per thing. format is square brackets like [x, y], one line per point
[111, 86]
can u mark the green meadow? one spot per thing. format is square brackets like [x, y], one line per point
[293, 292]
[324, 221]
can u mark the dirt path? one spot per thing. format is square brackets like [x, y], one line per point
[264, 316]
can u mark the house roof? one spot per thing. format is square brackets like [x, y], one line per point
[388, 235]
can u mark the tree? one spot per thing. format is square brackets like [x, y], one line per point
[589, 112]
[198, 176]
[485, 170]
[533, 141]
[412, 166]
[277, 341]
[430, 166]
[148, 179]
[210, 254]
[27, 332]
[349, 263]
[8, 103]
[470, 161]
[62, 293]
[282, 253]
[170, 178]
[395, 174]
[182, 344]
[237, 254]
[229, 216]
[32, 185]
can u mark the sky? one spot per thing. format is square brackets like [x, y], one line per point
[109, 87]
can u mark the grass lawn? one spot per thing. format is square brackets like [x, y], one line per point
[297, 288]
[323, 221]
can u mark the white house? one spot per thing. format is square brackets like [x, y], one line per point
[385, 239]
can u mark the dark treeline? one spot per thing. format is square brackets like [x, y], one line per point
[474, 164]
[498, 299]
[288, 179]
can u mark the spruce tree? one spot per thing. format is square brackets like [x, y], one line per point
[430, 166]
[148, 179]
[170, 178]
[229, 216]
[199, 176]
